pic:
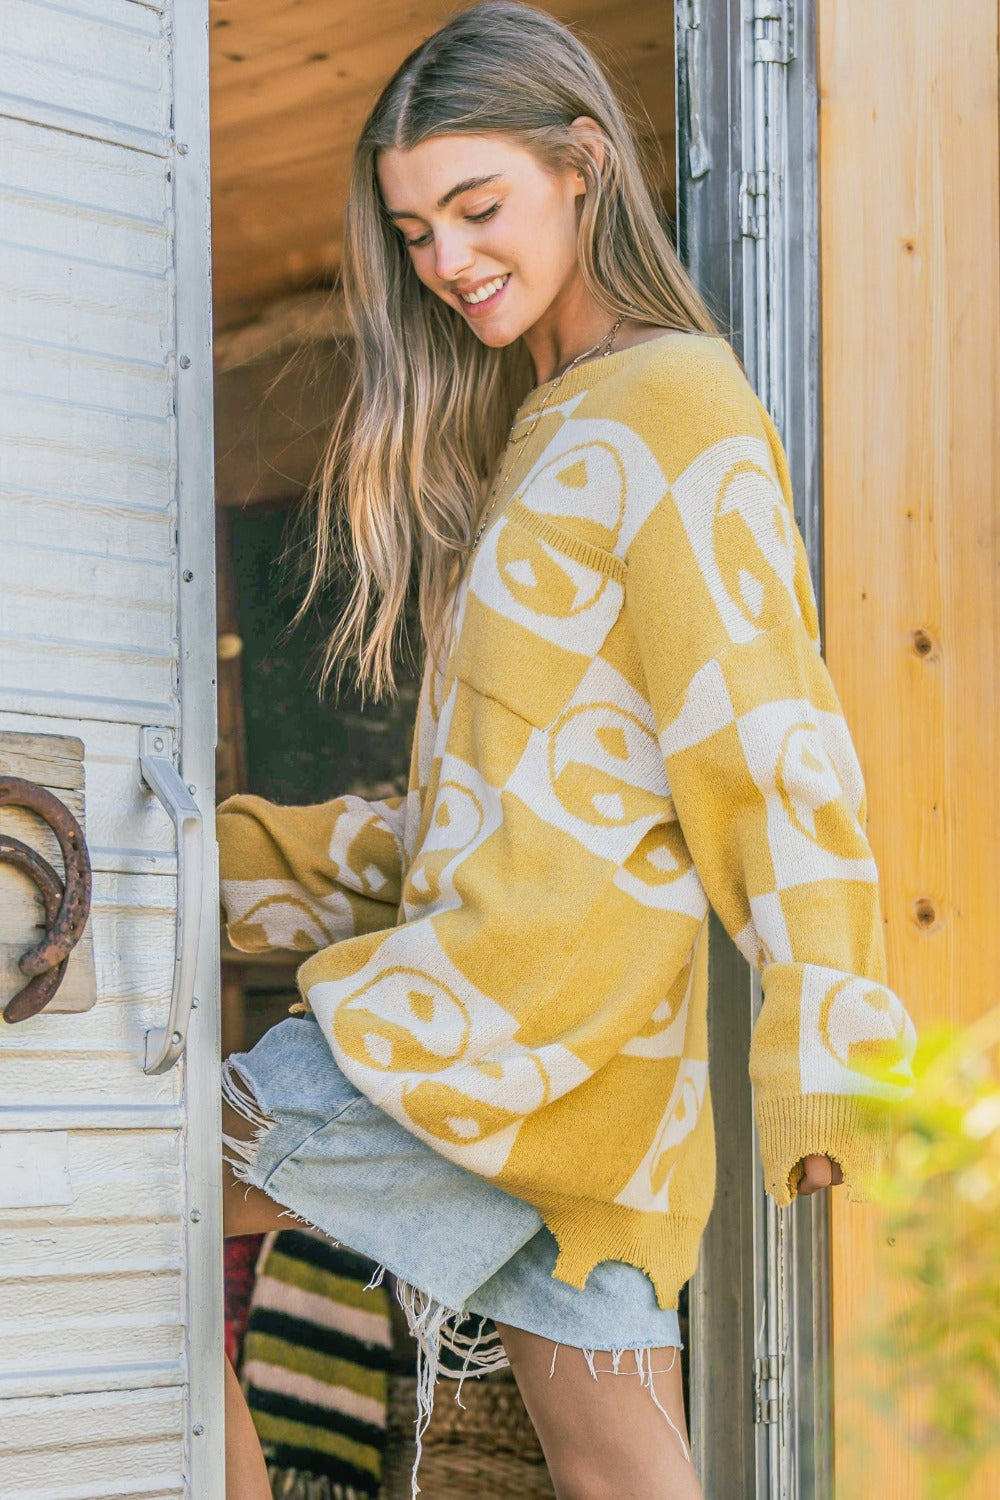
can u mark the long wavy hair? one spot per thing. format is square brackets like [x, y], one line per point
[407, 467]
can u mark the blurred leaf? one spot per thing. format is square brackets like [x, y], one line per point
[941, 1200]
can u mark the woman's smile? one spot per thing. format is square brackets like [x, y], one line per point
[483, 298]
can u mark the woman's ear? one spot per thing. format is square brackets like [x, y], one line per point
[590, 136]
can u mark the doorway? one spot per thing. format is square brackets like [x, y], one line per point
[722, 95]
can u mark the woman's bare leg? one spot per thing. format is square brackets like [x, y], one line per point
[246, 1473]
[245, 1210]
[605, 1439]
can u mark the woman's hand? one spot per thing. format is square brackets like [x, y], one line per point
[819, 1172]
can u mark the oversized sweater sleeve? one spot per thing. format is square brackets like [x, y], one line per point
[304, 877]
[768, 791]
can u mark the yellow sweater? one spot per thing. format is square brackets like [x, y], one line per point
[634, 720]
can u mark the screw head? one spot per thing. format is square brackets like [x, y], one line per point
[198, 1429]
[195, 1216]
[158, 743]
[185, 361]
[187, 575]
[182, 148]
[177, 1038]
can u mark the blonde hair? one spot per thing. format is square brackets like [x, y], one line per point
[429, 407]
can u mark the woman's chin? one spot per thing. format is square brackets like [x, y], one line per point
[497, 333]
[496, 338]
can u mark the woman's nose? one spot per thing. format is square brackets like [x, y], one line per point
[452, 255]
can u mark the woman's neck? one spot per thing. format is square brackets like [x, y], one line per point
[573, 326]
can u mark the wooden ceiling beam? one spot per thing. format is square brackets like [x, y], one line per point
[283, 327]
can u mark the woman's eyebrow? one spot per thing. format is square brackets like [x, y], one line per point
[460, 187]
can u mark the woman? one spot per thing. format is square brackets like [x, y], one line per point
[499, 1090]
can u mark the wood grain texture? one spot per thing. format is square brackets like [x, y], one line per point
[292, 81]
[87, 555]
[118, 86]
[911, 349]
[60, 1446]
[104, 1318]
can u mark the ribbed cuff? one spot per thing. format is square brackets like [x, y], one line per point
[853, 1131]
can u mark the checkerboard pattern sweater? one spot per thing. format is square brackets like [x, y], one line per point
[633, 721]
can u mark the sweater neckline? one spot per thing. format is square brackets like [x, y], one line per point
[591, 372]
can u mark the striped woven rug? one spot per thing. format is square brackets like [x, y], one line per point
[316, 1363]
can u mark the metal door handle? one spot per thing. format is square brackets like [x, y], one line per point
[164, 1044]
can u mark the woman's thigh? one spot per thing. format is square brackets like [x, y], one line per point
[603, 1434]
[246, 1210]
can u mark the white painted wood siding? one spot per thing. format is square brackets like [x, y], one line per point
[110, 1315]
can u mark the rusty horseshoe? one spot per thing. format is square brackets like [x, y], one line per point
[67, 901]
[37, 993]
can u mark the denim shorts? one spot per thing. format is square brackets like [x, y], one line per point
[466, 1255]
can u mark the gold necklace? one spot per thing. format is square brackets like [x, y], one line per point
[608, 339]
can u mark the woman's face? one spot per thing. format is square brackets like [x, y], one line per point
[484, 220]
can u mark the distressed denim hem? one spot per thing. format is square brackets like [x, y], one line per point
[433, 1325]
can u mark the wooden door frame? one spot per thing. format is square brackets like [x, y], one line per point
[195, 564]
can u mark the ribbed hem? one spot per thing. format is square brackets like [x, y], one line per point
[853, 1131]
[664, 1246]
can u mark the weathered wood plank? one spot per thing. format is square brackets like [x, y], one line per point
[94, 1446]
[109, 528]
[107, 311]
[122, 684]
[76, 378]
[52, 589]
[56, 759]
[115, 88]
[107, 187]
[97, 1282]
[32, 1251]
[28, 1426]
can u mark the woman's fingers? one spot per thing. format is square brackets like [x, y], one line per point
[819, 1172]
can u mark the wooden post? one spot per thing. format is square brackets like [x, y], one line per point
[911, 345]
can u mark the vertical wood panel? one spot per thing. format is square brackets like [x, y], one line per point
[911, 312]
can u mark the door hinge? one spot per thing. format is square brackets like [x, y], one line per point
[773, 31]
[767, 1388]
[753, 204]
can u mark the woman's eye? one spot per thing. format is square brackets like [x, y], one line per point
[425, 239]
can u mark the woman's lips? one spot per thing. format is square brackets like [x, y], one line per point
[480, 309]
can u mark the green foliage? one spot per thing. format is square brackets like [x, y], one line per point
[941, 1200]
